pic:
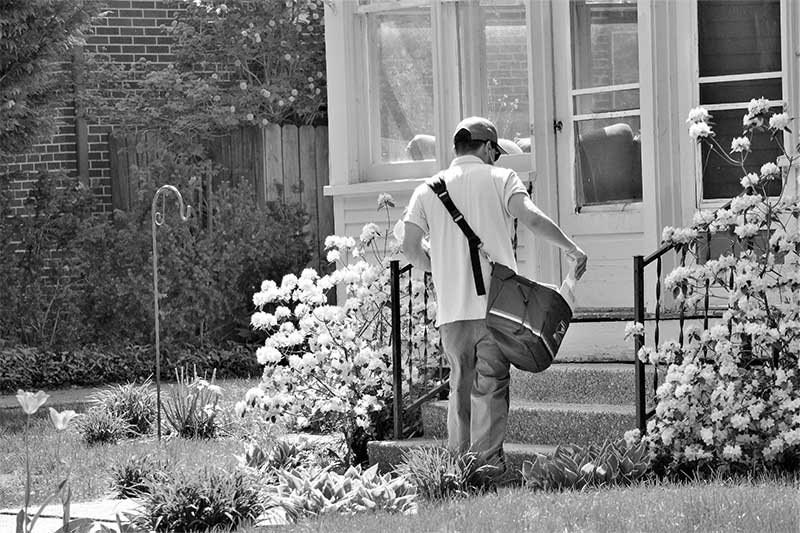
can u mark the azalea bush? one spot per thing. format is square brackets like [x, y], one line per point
[332, 362]
[730, 397]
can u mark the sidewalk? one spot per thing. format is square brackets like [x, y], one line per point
[59, 398]
[104, 511]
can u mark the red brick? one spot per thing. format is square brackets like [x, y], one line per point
[131, 31]
[106, 31]
[119, 21]
[133, 13]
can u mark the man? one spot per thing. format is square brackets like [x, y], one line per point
[490, 198]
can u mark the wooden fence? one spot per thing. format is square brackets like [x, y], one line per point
[287, 164]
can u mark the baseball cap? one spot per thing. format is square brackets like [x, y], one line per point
[477, 129]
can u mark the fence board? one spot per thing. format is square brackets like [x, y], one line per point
[308, 178]
[324, 203]
[273, 170]
[259, 185]
[291, 165]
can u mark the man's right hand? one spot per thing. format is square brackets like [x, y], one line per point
[580, 258]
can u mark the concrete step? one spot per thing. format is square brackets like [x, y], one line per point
[601, 383]
[547, 423]
[604, 342]
[389, 453]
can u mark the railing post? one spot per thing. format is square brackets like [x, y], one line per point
[638, 313]
[397, 370]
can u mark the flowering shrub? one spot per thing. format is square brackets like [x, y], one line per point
[731, 396]
[332, 362]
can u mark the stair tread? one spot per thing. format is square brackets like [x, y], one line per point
[508, 447]
[557, 406]
[582, 365]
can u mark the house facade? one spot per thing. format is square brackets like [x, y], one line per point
[591, 97]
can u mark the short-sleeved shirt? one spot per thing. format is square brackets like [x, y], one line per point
[481, 192]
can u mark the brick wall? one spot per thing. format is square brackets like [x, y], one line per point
[131, 31]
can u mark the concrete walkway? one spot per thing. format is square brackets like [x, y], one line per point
[103, 512]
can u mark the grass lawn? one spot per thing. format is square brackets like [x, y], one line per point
[757, 506]
[91, 465]
[762, 505]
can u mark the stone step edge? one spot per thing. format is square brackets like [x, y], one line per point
[528, 405]
[388, 453]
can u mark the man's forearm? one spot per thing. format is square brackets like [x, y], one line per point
[543, 226]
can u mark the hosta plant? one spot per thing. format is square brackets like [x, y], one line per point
[300, 493]
[332, 362]
[576, 467]
[285, 455]
[730, 396]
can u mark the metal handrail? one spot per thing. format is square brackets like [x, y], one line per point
[640, 316]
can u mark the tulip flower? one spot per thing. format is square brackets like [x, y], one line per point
[31, 402]
[61, 420]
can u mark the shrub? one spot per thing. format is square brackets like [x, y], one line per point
[25, 367]
[39, 264]
[98, 426]
[198, 500]
[332, 363]
[729, 398]
[439, 473]
[575, 467]
[191, 408]
[209, 266]
[79, 279]
[134, 404]
[136, 474]
[301, 493]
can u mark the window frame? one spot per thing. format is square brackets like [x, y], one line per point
[450, 103]
[788, 30]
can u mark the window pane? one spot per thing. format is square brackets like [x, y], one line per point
[506, 56]
[403, 81]
[605, 48]
[740, 91]
[739, 36]
[605, 52]
[607, 101]
[720, 179]
[608, 160]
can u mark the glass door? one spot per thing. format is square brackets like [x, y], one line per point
[597, 125]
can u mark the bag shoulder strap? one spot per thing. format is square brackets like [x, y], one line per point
[439, 188]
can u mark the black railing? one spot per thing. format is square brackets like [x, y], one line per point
[641, 317]
[418, 392]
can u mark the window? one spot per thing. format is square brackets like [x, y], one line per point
[401, 85]
[429, 64]
[605, 101]
[493, 58]
[739, 55]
